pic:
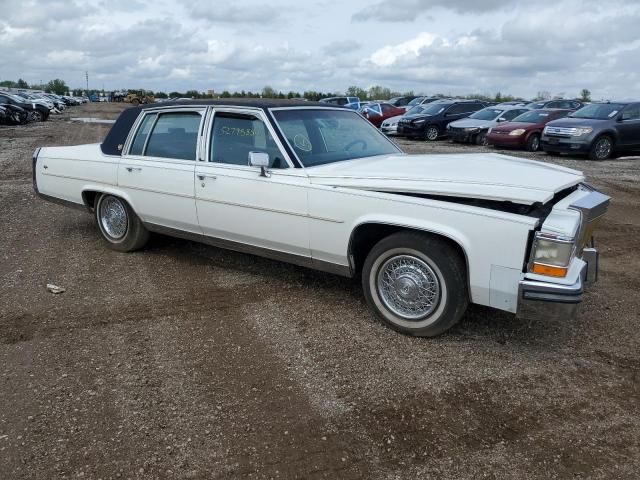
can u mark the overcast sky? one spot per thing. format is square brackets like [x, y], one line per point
[429, 46]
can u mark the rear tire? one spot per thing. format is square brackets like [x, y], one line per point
[415, 283]
[602, 148]
[119, 225]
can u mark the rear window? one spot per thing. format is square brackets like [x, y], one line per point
[173, 135]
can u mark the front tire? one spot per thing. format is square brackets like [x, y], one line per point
[602, 148]
[482, 140]
[431, 133]
[416, 283]
[533, 143]
[119, 225]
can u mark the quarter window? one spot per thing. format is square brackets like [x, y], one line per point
[235, 135]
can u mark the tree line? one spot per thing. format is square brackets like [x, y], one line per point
[375, 92]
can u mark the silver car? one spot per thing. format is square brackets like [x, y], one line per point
[474, 129]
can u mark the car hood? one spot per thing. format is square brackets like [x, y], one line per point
[510, 126]
[577, 122]
[481, 176]
[472, 123]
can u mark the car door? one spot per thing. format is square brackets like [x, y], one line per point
[236, 203]
[157, 169]
[628, 127]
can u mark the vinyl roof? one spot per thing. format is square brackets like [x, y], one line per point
[264, 103]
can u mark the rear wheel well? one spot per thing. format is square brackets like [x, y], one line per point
[365, 237]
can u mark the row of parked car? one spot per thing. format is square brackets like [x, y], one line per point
[20, 107]
[600, 130]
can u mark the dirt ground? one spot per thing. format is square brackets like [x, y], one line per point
[185, 361]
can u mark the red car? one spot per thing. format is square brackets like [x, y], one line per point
[524, 131]
[377, 113]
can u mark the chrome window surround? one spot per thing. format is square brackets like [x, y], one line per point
[258, 113]
[157, 111]
[277, 125]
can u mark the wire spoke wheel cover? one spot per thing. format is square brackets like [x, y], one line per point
[113, 218]
[408, 287]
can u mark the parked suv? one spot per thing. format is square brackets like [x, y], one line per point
[347, 102]
[558, 103]
[432, 122]
[474, 128]
[601, 130]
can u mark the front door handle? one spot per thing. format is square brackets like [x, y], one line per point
[202, 177]
[133, 169]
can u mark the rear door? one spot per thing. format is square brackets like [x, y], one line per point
[158, 168]
[629, 127]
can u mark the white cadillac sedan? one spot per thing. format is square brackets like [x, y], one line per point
[321, 187]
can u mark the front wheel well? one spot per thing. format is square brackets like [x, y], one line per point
[89, 198]
[366, 236]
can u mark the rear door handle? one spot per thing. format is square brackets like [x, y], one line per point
[202, 177]
[133, 169]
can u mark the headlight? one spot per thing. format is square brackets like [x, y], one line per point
[472, 129]
[517, 132]
[581, 131]
[418, 122]
[544, 130]
[551, 255]
[449, 126]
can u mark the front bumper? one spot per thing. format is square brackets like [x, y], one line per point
[463, 135]
[389, 129]
[506, 140]
[565, 144]
[410, 130]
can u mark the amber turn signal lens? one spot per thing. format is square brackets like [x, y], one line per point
[550, 270]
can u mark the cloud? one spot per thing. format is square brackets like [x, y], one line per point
[342, 47]
[217, 13]
[410, 10]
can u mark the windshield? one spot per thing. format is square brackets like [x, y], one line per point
[417, 110]
[536, 105]
[321, 136]
[415, 101]
[598, 111]
[531, 117]
[434, 109]
[487, 114]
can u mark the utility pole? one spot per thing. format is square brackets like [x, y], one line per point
[86, 76]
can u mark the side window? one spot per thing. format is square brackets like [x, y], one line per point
[235, 135]
[174, 135]
[141, 136]
[342, 101]
[511, 114]
[632, 112]
[457, 109]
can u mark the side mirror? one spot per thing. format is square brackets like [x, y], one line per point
[260, 159]
[502, 119]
